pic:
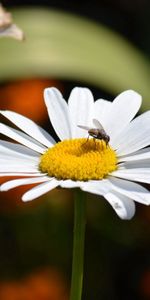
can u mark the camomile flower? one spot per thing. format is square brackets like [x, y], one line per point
[7, 27]
[114, 170]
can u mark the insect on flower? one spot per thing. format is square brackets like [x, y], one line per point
[117, 175]
[98, 132]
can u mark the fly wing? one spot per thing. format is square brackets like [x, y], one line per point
[84, 127]
[97, 124]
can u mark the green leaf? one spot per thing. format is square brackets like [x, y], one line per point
[64, 46]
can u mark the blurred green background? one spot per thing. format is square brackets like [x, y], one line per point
[104, 45]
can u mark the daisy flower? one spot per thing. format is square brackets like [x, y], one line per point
[7, 27]
[114, 171]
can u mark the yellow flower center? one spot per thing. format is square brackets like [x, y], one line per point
[79, 159]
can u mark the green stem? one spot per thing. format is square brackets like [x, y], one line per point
[78, 245]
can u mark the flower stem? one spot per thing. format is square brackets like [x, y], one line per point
[78, 245]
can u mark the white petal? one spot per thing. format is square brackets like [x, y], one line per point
[11, 161]
[16, 150]
[131, 190]
[69, 183]
[12, 30]
[19, 182]
[29, 127]
[80, 104]
[21, 174]
[19, 158]
[142, 154]
[101, 109]
[123, 206]
[58, 112]
[143, 163]
[98, 187]
[21, 138]
[14, 168]
[139, 175]
[136, 135]
[40, 190]
[122, 111]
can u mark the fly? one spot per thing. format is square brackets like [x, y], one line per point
[98, 132]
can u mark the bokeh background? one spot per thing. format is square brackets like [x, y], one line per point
[104, 45]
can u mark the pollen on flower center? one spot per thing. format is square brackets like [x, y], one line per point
[79, 159]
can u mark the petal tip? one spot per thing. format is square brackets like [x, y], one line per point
[51, 90]
[3, 187]
[25, 198]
